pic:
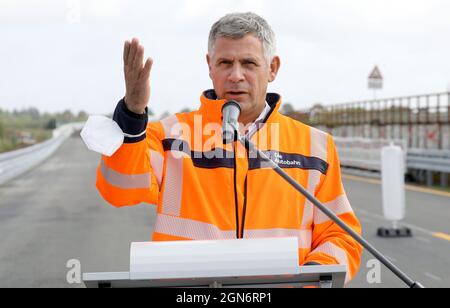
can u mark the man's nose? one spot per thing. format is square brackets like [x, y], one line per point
[236, 74]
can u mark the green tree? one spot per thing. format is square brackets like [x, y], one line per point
[51, 124]
[67, 116]
[164, 115]
[185, 110]
[82, 116]
[287, 109]
[33, 113]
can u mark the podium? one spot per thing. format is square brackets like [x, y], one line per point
[326, 276]
[249, 263]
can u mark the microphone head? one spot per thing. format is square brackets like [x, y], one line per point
[230, 115]
[230, 104]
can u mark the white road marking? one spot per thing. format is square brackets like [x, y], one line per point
[407, 187]
[391, 259]
[442, 236]
[379, 217]
[365, 220]
[434, 277]
[422, 239]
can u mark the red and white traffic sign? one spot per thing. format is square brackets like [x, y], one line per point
[375, 79]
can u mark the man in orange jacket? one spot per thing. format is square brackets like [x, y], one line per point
[205, 190]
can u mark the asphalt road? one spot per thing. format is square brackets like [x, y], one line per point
[424, 257]
[54, 214]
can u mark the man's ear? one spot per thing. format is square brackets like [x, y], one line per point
[274, 67]
[208, 60]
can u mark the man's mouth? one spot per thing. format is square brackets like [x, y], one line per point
[236, 93]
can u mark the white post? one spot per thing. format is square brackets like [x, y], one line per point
[393, 179]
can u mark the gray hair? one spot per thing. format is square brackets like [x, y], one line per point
[237, 25]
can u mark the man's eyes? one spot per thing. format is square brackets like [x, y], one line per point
[245, 63]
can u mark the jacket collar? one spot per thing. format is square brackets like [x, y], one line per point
[211, 107]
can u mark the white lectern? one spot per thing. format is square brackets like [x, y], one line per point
[245, 263]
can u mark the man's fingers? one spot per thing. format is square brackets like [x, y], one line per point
[133, 49]
[147, 69]
[126, 52]
[138, 59]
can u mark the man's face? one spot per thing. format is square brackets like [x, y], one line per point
[240, 72]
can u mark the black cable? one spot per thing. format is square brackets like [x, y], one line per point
[245, 208]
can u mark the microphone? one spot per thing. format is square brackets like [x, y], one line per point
[230, 115]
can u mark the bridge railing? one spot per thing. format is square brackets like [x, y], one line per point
[420, 121]
[15, 163]
[418, 109]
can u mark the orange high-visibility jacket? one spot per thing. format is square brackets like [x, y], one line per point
[201, 196]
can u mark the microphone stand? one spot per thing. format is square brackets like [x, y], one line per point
[405, 278]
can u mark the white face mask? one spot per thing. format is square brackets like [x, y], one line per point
[102, 135]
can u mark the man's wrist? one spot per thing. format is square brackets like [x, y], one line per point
[134, 110]
[132, 124]
[132, 113]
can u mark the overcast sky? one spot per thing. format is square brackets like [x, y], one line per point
[58, 54]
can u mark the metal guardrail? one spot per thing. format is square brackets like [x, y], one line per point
[429, 160]
[365, 154]
[15, 163]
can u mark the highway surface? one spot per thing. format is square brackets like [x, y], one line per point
[53, 214]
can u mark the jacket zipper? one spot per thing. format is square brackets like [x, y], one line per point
[244, 211]
[240, 231]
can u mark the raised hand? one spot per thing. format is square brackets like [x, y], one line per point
[137, 76]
